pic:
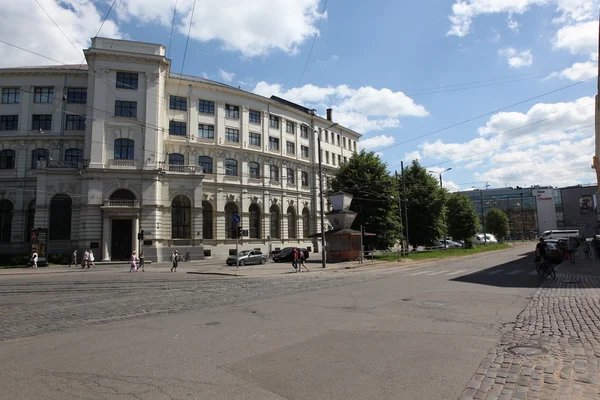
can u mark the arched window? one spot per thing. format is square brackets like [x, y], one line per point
[30, 219]
[60, 217]
[231, 167]
[74, 155]
[230, 226]
[6, 210]
[176, 159]
[291, 218]
[254, 169]
[124, 149]
[181, 218]
[39, 155]
[254, 211]
[7, 159]
[206, 163]
[305, 223]
[207, 220]
[275, 224]
[122, 194]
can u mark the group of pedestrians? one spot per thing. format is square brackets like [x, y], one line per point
[588, 246]
[136, 263]
[298, 260]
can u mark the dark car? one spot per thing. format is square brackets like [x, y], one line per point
[286, 255]
[247, 257]
[554, 254]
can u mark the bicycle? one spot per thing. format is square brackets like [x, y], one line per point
[545, 268]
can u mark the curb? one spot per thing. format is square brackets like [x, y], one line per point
[212, 273]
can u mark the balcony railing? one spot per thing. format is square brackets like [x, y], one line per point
[46, 164]
[121, 203]
[180, 168]
[123, 164]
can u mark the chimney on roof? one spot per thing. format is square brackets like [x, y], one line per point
[329, 114]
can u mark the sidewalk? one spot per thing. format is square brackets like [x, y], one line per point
[552, 351]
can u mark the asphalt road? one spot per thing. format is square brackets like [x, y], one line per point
[380, 334]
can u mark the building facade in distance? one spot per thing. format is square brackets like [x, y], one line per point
[99, 152]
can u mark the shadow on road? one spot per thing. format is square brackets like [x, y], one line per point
[515, 273]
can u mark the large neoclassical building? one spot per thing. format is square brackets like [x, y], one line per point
[96, 153]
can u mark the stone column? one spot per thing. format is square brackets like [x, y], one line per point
[135, 243]
[106, 238]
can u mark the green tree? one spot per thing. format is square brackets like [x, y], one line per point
[496, 222]
[461, 217]
[425, 201]
[366, 177]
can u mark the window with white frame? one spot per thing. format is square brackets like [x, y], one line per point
[206, 131]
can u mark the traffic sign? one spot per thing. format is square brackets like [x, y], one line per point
[236, 218]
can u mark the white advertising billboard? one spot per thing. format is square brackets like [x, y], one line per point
[546, 212]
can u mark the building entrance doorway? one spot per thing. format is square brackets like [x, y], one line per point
[121, 239]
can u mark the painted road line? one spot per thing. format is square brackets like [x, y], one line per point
[437, 272]
[456, 272]
[419, 273]
[497, 271]
[516, 271]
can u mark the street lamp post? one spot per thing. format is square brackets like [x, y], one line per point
[442, 186]
[323, 252]
[522, 218]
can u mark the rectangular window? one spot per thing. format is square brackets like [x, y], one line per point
[206, 163]
[75, 123]
[345, 160]
[274, 169]
[304, 131]
[327, 157]
[290, 148]
[11, 95]
[273, 143]
[177, 128]
[355, 146]
[291, 179]
[206, 107]
[232, 135]
[333, 159]
[231, 167]
[127, 109]
[274, 121]
[9, 122]
[289, 127]
[338, 137]
[7, 159]
[304, 151]
[254, 169]
[43, 95]
[42, 121]
[127, 80]
[178, 103]
[232, 111]
[254, 139]
[254, 117]
[344, 141]
[304, 177]
[77, 95]
[339, 159]
[206, 131]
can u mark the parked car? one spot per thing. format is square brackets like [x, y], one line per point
[487, 239]
[451, 243]
[285, 255]
[247, 257]
[554, 254]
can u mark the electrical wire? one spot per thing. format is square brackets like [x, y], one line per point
[172, 28]
[61, 31]
[313, 43]
[187, 40]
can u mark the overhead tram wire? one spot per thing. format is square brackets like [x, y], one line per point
[187, 40]
[485, 114]
[172, 28]
[313, 43]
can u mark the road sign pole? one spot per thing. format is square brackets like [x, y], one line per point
[237, 250]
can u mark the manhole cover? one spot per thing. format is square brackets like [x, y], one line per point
[526, 350]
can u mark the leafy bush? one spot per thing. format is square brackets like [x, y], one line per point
[60, 259]
[21, 259]
[468, 243]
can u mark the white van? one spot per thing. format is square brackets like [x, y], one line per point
[560, 234]
[479, 238]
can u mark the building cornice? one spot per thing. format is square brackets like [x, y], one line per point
[125, 56]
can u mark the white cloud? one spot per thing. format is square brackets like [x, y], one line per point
[581, 38]
[578, 71]
[364, 109]
[451, 186]
[25, 24]
[376, 142]
[254, 28]
[517, 59]
[226, 76]
[512, 24]
[464, 11]
[413, 155]
[205, 75]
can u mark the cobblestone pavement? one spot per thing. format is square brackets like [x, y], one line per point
[61, 302]
[553, 349]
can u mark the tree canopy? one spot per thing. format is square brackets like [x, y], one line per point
[496, 222]
[461, 217]
[375, 200]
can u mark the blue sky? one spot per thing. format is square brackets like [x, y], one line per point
[394, 71]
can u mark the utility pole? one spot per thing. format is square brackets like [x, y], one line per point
[482, 217]
[405, 207]
[442, 187]
[323, 252]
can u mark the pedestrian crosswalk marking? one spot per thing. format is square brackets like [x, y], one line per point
[516, 271]
[495, 272]
[456, 272]
[437, 272]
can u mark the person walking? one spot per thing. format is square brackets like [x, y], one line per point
[34, 260]
[133, 262]
[85, 260]
[175, 260]
[586, 249]
[295, 259]
[73, 259]
[302, 262]
[91, 259]
[572, 248]
[142, 261]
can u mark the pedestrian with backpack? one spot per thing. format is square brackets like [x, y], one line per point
[34, 260]
[301, 261]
